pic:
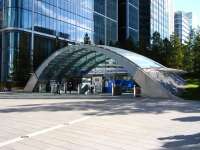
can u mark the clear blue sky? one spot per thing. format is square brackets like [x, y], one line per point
[189, 6]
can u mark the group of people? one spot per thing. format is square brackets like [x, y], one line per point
[58, 88]
[89, 89]
[68, 86]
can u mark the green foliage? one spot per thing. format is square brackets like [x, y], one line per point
[188, 60]
[167, 46]
[176, 54]
[171, 53]
[157, 47]
[128, 44]
[87, 39]
[196, 50]
[57, 43]
[192, 87]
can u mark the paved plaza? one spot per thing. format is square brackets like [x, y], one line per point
[47, 122]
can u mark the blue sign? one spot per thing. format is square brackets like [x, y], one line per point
[125, 85]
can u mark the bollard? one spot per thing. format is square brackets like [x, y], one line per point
[134, 91]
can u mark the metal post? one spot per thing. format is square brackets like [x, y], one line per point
[32, 36]
[113, 89]
[79, 89]
[3, 57]
[127, 19]
[65, 88]
[2, 46]
[105, 22]
[134, 91]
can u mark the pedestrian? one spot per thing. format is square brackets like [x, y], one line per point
[92, 89]
[58, 88]
[70, 87]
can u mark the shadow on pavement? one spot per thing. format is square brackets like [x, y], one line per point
[49, 96]
[182, 142]
[188, 119]
[118, 106]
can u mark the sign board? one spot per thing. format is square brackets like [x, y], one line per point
[98, 84]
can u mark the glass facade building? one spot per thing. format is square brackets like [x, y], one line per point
[183, 25]
[129, 19]
[34, 29]
[154, 17]
[171, 16]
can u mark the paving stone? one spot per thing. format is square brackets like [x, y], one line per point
[98, 123]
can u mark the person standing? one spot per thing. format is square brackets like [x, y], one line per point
[58, 88]
[70, 87]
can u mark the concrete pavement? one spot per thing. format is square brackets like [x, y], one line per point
[97, 123]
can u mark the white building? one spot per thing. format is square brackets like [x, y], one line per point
[183, 25]
[171, 16]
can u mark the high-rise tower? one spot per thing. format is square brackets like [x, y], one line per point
[154, 17]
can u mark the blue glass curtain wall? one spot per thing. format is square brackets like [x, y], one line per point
[43, 21]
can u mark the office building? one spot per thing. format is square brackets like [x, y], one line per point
[154, 17]
[129, 19]
[183, 25]
[34, 29]
[171, 16]
[190, 17]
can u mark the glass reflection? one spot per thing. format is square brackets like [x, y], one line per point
[68, 20]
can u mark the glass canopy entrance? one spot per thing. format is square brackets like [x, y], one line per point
[82, 60]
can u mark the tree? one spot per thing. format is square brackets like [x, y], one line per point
[101, 42]
[128, 44]
[117, 44]
[111, 43]
[167, 47]
[196, 50]
[57, 43]
[176, 54]
[188, 60]
[87, 39]
[157, 47]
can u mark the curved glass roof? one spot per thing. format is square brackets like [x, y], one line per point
[139, 60]
[79, 60]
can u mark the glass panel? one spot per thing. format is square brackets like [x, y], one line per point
[139, 60]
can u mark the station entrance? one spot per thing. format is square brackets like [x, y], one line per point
[92, 69]
[106, 78]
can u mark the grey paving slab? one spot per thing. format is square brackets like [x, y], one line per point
[99, 123]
